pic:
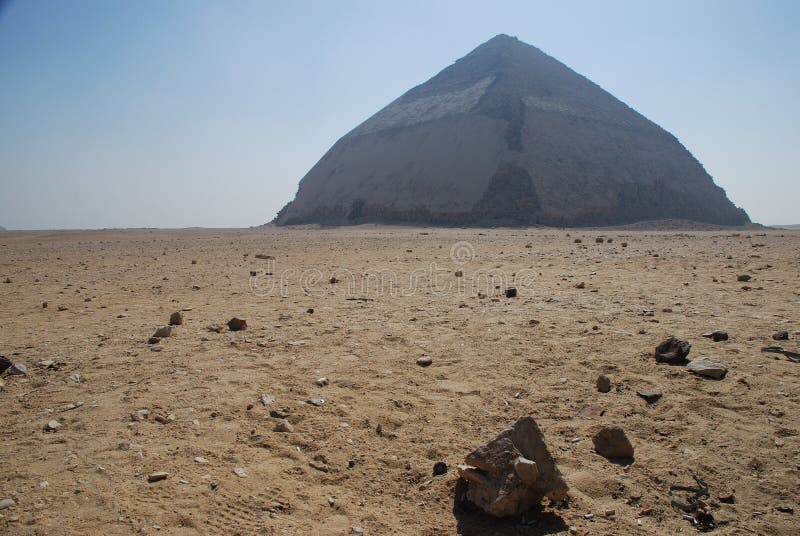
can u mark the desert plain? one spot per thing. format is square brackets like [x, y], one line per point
[200, 404]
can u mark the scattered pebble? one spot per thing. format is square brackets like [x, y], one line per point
[424, 361]
[650, 396]
[240, 472]
[709, 368]
[603, 383]
[781, 336]
[315, 401]
[237, 324]
[158, 475]
[322, 382]
[52, 426]
[284, 426]
[162, 332]
[717, 336]
[176, 318]
[439, 468]
[6, 503]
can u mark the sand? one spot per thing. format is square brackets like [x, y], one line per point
[494, 359]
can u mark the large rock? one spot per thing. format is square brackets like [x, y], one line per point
[710, 368]
[673, 351]
[508, 135]
[512, 473]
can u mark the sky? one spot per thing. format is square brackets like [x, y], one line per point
[181, 113]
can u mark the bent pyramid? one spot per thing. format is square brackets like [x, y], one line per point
[508, 135]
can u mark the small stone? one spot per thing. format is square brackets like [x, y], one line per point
[5, 363]
[511, 292]
[140, 415]
[744, 278]
[279, 413]
[356, 531]
[459, 273]
[176, 318]
[158, 475]
[786, 509]
[63, 308]
[717, 336]
[240, 472]
[156, 348]
[163, 332]
[17, 369]
[6, 503]
[526, 470]
[603, 383]
[52, 426]
[237, 324]
[200, 459]
[650, 396]
[648, 312]
[610, 513]
[439, 468]
[322, 382]
[266, 399]
[580, 285]
[284, 426]
[709, 368]
[424, 361]
[75, 378]
[310, 310]
[154, 340]
[611, 442]
[673, 351]
[315, 401]
[781, 336]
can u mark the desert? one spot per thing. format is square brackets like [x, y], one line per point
[316, 417]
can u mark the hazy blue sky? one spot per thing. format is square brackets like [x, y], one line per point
[207, 113]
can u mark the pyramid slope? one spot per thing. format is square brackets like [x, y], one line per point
[507, 135]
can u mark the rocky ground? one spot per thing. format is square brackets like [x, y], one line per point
[221, 422]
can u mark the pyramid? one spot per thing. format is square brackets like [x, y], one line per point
[508, 135]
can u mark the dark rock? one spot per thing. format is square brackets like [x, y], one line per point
[511, 292]
[154, 340]
[673, 351]
[611, 442]
[176, 318]
[439, 468]
[511, 473]
[237, 324]
[651, 396]
[781, 336]
[603, 383]
[744, 278]
[5, 363]
[162, 332]
[717, 336]
[580, 285]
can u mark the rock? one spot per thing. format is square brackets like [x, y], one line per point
[424, 361]
[52, 426]
[580, 285]
[648, 312]
[333, 280]
[200, 459]
[603, 383]
[237, 324]
[315, 401]
[158, 475]
[322, 382]
[176, 318]
[216, 328]
[781, 336]
[279, 413]
[611, 442]
[266, 399]
[673, 351]
[154, 340]
[511, 292]
[6, 503]
[744, 278]
[163, 332]
[717, 336]
[511, 473]
[650, 396]
[284, 426]
[240, 472]
[140, 415]
[17, 369]
[439, 468]
[156, 348]
[709, 368]
[75, 378]
[5, 363]
[459, 273]
[356, 531]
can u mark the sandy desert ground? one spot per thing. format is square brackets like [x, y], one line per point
[494, 359]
